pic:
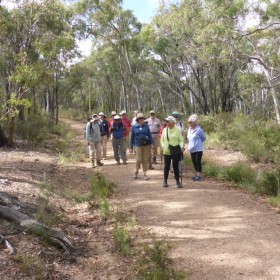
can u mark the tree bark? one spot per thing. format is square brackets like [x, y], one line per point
[8, 213]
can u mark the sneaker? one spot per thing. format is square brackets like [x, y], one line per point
[145, 177]
[99, 163]
[135, 174]
[197, 178]
[178, 184]
[165, 185]
[193, 177]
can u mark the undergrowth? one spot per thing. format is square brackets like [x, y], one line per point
[150, 260]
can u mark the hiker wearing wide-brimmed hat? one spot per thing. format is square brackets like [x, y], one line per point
[178, 118]
[154, 125]
[93, 138]
[141, 140]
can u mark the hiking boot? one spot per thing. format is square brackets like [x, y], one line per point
[165, 185]
[145, 177]
[178, 184]
[151, 167]
[124, 162]
[135, 174]
[118, 162]
[98, 162]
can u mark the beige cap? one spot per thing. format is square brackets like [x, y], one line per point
[170, 119]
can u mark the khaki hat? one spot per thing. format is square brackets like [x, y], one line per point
[101, 114]
[123, 112]
[113, 113]
[140, 116]
[117, 117]
[152, 112]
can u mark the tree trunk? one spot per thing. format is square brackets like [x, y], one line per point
[3, 138]
[9, 202]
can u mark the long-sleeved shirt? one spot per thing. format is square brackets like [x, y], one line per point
[93, 132]
[196, 138]
[140, 133]
[104, 127]
[175, 139]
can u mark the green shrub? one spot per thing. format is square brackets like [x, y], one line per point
[100, 187]
[35, 129]
[213, 170]
[122, 239]
[270, 183]
[240, 173]
[31, 265]
[105, 209]
[155, 264]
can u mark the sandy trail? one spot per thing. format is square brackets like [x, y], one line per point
[217, 232]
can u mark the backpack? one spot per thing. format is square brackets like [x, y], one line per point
[117, 131]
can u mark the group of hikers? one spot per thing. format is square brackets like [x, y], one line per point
[147, 138]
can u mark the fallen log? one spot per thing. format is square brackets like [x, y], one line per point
[12, 201]
[33, 226]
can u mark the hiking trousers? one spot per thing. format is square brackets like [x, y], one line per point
[119, 149]
[95, 150]
[104, 140]
[143, 154]
[196, 160]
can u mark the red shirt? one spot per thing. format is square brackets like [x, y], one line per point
[127, 124]
[110, 123]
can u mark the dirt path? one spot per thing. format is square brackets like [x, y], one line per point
[217, 232]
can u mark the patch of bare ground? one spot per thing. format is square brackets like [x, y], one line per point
[36, 179]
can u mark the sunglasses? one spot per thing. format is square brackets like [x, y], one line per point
[175, 117]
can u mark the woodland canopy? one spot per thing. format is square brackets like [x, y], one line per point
[207, 57]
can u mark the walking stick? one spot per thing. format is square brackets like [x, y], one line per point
[161, 156]
[181, 171]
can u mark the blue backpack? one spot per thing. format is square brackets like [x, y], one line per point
[117, 130]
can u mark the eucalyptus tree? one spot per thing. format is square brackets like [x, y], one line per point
[262, 47]
[110, 24]
[38, 41]
[195, 48]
